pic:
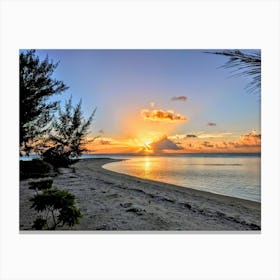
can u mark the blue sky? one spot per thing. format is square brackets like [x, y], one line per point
[121, 83]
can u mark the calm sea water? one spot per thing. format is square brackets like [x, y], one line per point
[231, 175]
[236, 175]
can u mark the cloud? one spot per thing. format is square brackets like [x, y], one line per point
[215, 135]
[249, 140]
[161, 115]
[177, 137]
[223, 145]
[207, 144]
[105, 142]
[211, 124]
[179, 98]
[191, 136]
[152, 104]
[164, 144]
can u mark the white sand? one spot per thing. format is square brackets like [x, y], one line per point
[113, 201]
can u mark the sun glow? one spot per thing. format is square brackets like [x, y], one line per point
[144, 142]
[147, 148]
[147, 143]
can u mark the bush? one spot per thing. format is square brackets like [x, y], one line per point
[35, 168]
[58, 158]
[55, 207]
[41, 184]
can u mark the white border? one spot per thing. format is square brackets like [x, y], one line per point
[145, 24]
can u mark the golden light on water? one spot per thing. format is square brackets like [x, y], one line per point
[147, 166]
[147, 163]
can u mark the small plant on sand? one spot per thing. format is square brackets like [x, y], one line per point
[55, 207]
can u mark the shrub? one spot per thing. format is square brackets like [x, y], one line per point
[35, 168]
[55, 207]
[57, 157]
[41, 184]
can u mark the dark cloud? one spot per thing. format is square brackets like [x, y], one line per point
[179, 98]
[191, 136]
[161, 115]
[105, 142]
[207, 144]
[211, 124]
[164, 144]
[252, 135]
[223, 145]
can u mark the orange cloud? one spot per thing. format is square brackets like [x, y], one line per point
[179, 98]
[161, 115]
[251, 139]
[250, 142]
[154, 142]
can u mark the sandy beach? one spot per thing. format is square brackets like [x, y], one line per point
[110, 201]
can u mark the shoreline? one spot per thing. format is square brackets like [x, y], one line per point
[113, 201]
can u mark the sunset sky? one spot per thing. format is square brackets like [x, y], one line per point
[160, 101]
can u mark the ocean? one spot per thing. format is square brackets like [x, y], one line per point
[235, 175]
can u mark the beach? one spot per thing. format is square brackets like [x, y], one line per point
[111, 201]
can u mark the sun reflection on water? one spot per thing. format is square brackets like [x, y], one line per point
[147, 165]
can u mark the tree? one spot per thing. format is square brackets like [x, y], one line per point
[244, 64]
[36, 86]
[67, 137]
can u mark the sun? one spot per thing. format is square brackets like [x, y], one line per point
[146, 146]
[147, 143]
[144, 141]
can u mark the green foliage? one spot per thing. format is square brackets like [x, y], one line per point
[35, 168]
[36, 86]
[68, 135]
[52, 198]
[57, 207]
[39, 223]
[69, 215]
[58, 157]
[244, 64]
[41, 184]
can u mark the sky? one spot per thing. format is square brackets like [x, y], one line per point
[160, 101]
